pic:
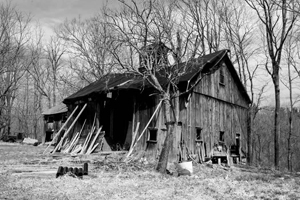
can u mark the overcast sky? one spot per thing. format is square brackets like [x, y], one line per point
[52, 12]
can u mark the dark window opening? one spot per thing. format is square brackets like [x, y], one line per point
[64, 118]
[199, 134]
[238, 138]
[50, 119]
[222, 138]
[152, 134]
[222, 76]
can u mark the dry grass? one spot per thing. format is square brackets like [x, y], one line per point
[116, 180]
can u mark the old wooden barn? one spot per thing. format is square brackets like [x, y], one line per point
[212, 115]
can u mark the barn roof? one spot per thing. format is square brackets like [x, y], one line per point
[60, 108]
[131, 81]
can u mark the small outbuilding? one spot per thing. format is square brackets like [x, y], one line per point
[53, 120]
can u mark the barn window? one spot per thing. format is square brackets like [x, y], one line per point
[199, 134]
[152, 135]
[50, 119]
[222, 76]
[64, 118]
[222, 136]
[238, 139]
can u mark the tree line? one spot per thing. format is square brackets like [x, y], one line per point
[262, 35]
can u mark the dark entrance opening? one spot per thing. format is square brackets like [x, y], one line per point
[116, 119]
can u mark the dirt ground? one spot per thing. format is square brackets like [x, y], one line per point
[25, 173]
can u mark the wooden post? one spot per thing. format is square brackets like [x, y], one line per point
[44, 130]
[67, 132]
[61, 129]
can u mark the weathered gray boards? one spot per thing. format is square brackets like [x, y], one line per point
[212, 113]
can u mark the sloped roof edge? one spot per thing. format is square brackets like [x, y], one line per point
[59, 108]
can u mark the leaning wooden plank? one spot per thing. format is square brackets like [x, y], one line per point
[63, 126]
[87, 140]
[84, 147]
[134, 135]
[78, 135]
[100, 143]
[71, 126]
[94, 120]
[76, 138]
[74, 145]
[67, 149]
[71, 143]
[89, 152]
[65, 144]
[92, 131]
[95, 138]
[77, 149]
[67, 132]
[131, 150]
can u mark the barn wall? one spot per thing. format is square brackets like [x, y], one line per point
[228, 92]
[214, 107]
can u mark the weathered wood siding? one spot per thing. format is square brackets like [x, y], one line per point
[215, 107]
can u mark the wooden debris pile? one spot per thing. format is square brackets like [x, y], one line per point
[88, 146]
[77, 144]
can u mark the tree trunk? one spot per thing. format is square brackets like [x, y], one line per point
[275, 78]
[289, 141]
[290, 120]
[54, 88]
[164, 155]
[249, 136]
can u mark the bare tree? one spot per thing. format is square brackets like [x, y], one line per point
[292, 62]
[14, 35]
[204, 19]
[87, 42]
[277, 22]
[54, 52]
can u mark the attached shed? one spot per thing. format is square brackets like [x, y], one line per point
[212, 114]
[53, 120]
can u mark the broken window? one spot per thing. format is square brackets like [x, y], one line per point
[222, 138]
[199, 134]
[222, 76]
[50, 119]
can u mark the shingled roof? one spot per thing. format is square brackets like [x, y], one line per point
[131, 81]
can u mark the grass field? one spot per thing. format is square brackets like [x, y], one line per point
[25, 173]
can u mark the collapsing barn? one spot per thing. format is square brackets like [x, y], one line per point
[212, 118]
